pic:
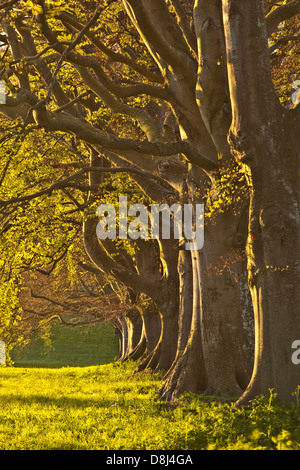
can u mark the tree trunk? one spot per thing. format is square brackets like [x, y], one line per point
[162, 356]
[131, 331]
[226, 314]
[216, 334]
[187, 372]
[123, 338]
[274, 277]
[166, 300]
[152, 328]
[265, 140]
[118, 330]
[226, 311]
[150, 333]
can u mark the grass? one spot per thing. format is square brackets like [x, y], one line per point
[67, 393]
[68, 346]
[108, 407]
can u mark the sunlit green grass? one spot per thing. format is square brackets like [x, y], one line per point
[107, 407]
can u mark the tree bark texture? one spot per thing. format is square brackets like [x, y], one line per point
[265, 140]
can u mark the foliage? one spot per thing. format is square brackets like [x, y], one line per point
[38, 232]
[285, 58]
[41, 227]
[105, 407]
[228, 193]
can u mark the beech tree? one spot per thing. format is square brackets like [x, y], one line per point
[181, 96]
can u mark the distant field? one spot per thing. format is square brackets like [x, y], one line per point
[71, 346]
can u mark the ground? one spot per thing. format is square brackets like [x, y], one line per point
[109, 407]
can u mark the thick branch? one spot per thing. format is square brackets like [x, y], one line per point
[212, 87]
[113, 56]
[15, 108]
[150, 184]
[97, 253]
[275, 17]
[253, 100]
[122, 91]
[17, 54]
[161, 33]
[41, 65]
[65, 123]
[68, 182]
[165, 41]
[184, 26]
[145, 120]
[105, 262]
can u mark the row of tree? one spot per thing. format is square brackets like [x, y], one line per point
[165, 101]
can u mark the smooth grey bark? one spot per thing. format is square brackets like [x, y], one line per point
[264, 138]
[226, 313]
[132, 335]
[188, 369]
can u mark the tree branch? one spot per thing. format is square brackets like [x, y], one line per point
[54, 263]
[65, 123]
[7, 6]
[72, 46]
[182, 20]
[212, 87]
[161, 33]
[17, 55]
[128, 90]
[41, 64]
[150, 184]
[253, 99]
[60, 318]
[68, 182]
[100, 257]
[145, 120]
[54, 302]
[113, 56]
